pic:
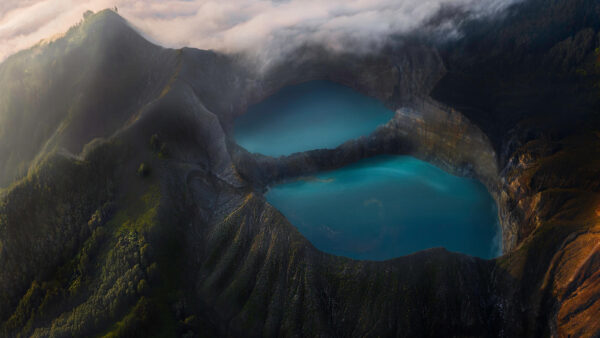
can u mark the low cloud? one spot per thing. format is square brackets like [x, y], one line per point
[258, 28]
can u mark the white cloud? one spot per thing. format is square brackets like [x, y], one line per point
[257, 27]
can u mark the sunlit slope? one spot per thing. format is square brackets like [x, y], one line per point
[84, 85]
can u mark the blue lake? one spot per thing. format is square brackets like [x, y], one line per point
[311, 115]
[375, 209]
[389, 206]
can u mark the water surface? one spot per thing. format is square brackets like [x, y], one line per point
[390, 206]
[311, 115]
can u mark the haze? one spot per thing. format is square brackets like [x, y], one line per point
[262, 29]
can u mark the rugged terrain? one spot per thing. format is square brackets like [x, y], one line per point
[127, 209]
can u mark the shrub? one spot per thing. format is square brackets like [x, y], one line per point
[143, 170]
[155, 142]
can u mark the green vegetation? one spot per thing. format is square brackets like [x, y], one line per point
[100, 260]
[55, 202]
[159, 148]
[143, 170]
[140, 214]
[132, 324]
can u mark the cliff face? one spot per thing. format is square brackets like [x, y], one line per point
[161, 227]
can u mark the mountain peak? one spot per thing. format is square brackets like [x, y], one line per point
[104, 16]
[106, 21]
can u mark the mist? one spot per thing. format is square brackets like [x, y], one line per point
[264, 30]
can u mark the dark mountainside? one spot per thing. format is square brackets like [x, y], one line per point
[126, 209]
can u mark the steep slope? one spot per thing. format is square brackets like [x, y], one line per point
[535, 67]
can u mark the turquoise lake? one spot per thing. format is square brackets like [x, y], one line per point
[378, 208]
[390, 206]
[311, 115]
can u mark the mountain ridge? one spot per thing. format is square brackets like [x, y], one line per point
[71, 116]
